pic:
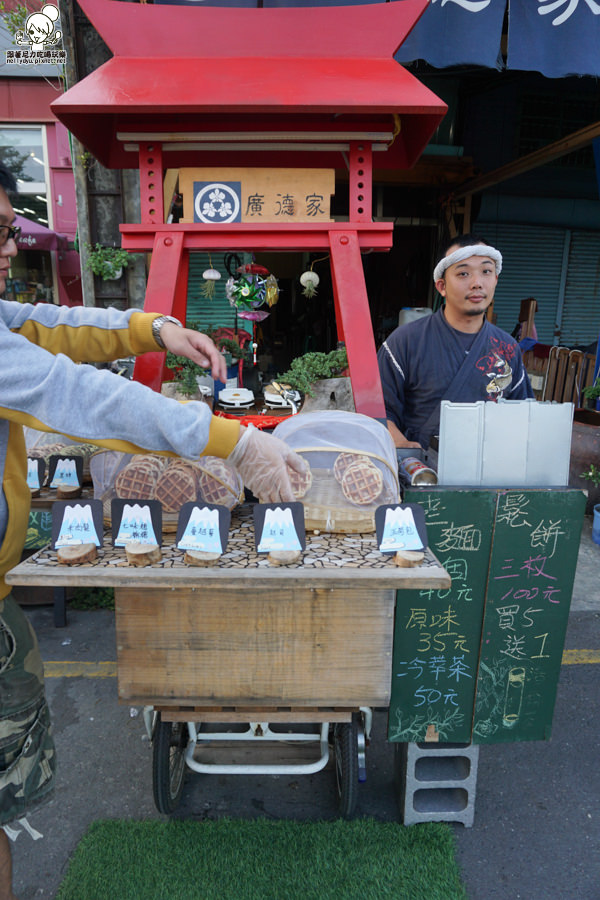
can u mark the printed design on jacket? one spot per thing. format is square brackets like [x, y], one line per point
[495, 366]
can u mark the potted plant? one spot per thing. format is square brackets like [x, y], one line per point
[592, 392]
[107, 262]
[322, 379]
[593, 474]
[306, 370]
[585, 445]
[186, 373]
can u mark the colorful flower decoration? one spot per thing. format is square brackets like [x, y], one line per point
[251, 290]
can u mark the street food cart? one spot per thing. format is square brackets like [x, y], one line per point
[284, 95]
[246, 642]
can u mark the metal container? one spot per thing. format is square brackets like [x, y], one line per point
[415, 472]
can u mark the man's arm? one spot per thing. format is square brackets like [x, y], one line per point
[392, 383]
[399, 439]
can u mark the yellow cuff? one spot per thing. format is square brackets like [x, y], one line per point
[140, 327]
[223, 435]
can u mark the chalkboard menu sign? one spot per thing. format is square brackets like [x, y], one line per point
[480, 661]
[532, 569]
[438, 633]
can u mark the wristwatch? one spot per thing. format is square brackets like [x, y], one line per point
[157, 325]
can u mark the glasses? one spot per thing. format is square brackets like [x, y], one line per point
[8, 232]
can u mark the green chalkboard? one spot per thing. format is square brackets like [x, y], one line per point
[438, 633]
[39, 529]
[532, 569]
[480, 661]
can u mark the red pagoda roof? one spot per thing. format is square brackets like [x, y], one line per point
[211, 83]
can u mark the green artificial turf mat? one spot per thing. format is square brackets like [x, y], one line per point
[234, 859]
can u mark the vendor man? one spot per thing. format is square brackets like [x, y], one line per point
[42, 387]
[455, 354]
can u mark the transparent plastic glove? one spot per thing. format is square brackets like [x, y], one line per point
[262, 460]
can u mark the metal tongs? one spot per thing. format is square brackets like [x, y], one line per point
[286, 394]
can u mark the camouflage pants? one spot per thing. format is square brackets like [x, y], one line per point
[27, 757]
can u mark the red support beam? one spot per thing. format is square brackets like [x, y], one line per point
[361, 182]
[307, 236]
[166, 294]
[354, 322]
[151, 184]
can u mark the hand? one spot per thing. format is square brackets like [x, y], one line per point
[263, 460]
[195, 346]
[399, 439]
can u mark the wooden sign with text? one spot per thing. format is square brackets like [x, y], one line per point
[223, 196]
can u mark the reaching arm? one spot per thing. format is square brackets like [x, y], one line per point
[398, 437]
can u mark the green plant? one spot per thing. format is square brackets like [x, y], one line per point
[311, 367]
[106, 261]
[87, 160]
[185, 373]
[14, 18]
[92, 598]
[592, 474]
[592, 391]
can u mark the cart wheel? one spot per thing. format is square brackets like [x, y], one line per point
[168, 763]
[345, 743]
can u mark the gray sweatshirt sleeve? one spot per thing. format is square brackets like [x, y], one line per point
[49, 392]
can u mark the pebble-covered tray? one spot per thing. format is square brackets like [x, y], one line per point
[326, 554]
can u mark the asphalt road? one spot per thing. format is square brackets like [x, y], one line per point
[537, 812]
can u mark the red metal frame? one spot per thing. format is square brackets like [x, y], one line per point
[322, 91]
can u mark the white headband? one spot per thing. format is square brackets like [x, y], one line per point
[464, 253]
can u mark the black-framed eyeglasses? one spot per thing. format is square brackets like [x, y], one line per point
[9, 231]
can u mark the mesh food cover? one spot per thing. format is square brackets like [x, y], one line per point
[353, 468]
[172, 480]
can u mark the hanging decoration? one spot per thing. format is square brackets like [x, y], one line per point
[309, 281]
[254, 287]
[211, 276]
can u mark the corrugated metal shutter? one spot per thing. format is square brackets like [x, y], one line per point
[216, 312]
[531, 267]
[581, 314]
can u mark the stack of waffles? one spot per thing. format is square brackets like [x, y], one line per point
[172, 481]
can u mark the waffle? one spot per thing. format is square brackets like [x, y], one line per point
[186, 466]
[362, 483]
[301, 482]
[137, 481]
[344, 460]
[177, 485]
[218, 483]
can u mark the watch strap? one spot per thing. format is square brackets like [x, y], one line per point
[157, 325]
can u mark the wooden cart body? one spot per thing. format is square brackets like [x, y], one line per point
[312, 638]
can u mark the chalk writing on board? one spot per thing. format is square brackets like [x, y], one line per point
[523, 589]
[480, 660]
[514, 511]
[546, 535]
[460, 537]
[412, 728]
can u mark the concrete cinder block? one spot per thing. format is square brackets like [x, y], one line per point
[436, 782]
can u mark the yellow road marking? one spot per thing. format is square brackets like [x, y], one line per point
[108, 669]
[579, 657]
[80, 669]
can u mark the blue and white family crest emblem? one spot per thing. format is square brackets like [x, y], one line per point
[217, 203]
